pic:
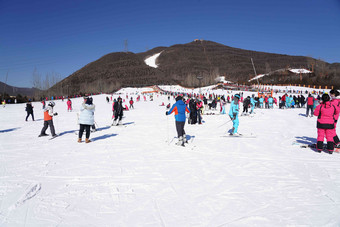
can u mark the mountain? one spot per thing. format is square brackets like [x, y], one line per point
[13, 91]
[182, 63]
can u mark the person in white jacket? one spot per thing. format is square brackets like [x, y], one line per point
[86, 118]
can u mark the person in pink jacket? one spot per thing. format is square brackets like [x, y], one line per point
[336, 102]
[69, 105]
[325, 123]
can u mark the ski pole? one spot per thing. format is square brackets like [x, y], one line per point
[224, 124]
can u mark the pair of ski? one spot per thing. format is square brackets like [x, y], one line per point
[53, 137]
[313, 147]
[251, 135]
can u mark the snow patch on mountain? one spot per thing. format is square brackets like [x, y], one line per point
[151, 61]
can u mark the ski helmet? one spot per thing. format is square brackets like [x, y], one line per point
[51, 104]
[237, 96]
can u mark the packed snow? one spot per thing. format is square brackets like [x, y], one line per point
[135, 175]
[151, 61]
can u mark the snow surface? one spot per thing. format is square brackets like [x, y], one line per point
[151, 61]
[137, 176]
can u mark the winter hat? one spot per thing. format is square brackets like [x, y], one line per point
[51, 104]
[237, 96]
[178, 98]
[89, 101]
[325, 98]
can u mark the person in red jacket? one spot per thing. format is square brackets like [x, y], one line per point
[336, 102]
[325, 123]
[131, 103]
[69, 105]
[310, 104]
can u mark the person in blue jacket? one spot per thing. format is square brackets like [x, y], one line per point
[252, 103]
[233, 114]
[179, 108]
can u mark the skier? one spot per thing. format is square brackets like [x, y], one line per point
[48, 120]
[118, 111]
[3, 103]
[179, 108]
[310, 104]
[325, 123]
[43, 103]
[199, 106]
[336, 102]
[193, 111]
[69, 105]
[29, 109]
[252, 103]
[261, 100]
[270, 102]
[223, 103]
[246, 103]
[233, 114]
[86, 119]
[131, 103]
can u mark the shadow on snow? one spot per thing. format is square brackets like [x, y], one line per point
[9, 130]
[103, 137]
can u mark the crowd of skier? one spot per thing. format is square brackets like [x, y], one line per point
[194, 106]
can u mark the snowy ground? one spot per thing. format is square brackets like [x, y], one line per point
[132, 176]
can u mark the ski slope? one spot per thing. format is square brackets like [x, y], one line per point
[135, 175]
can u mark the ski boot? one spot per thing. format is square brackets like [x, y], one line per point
[114, 123]
[180, 141]
[185, 138]
[44, 134]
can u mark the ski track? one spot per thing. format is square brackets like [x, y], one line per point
[131, 176]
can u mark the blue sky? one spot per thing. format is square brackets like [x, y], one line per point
[61, 36]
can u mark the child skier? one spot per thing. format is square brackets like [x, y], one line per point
[179, 108]
[252, 103]
[131, 103]
[233, 114]
[29, 110]
[48, 120]
[69, 105]
[325, 123]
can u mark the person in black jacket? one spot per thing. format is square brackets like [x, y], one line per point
[29, 110]
[246, 103]
[118, 111]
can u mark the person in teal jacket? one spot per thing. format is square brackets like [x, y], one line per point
[270, 101]
[252, 103]
[261, 102]
[233, 114]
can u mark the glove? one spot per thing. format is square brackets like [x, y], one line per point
[166, 113]
[55, 114]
